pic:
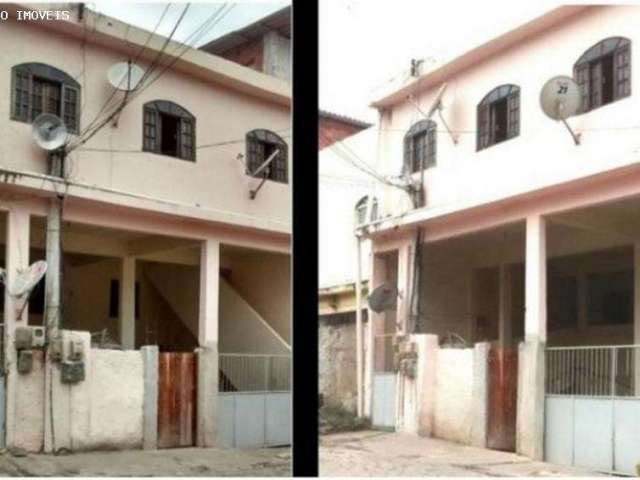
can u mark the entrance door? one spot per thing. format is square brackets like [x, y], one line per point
[384, 400]
[176, 400]
[503, 397]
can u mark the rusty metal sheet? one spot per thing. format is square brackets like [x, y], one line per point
[176, 400]
[503, 397]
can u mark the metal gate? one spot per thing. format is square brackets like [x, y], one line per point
[254, 403]
[592, 407]
[503, 397]
[177, 400]
[383, 411]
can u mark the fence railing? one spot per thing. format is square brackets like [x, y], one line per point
[600, 371]
[254, 373]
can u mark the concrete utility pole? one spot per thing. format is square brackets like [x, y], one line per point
[52, 280]
[359, 335]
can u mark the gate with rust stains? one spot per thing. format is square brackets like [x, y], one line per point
[503, 396]
[177, 400]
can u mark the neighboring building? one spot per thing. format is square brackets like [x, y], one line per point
[343, 195]
[264, 45]
[519, 326]
[165, 252]
[333, 128]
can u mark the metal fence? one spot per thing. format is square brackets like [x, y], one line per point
[602, 371]
[254, 373]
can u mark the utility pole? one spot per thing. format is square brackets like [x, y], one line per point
[52, 294]
[359, 335]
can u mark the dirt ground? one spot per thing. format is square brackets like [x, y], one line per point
[374, 453]
[189, 462]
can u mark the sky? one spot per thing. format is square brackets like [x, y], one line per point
[365, 43]
[146, 15]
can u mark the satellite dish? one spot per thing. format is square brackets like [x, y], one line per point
[383, 298]
[49, 131]
[125, 76]
[29, 278]
[437, 103]
[560, 98]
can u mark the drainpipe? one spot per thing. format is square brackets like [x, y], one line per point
[359, 336]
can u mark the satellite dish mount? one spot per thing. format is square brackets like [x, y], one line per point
[126, 77]
[437, 106]
[262, 168]
[560, 98]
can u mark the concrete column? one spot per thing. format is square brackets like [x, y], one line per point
[405, 257]
[636, 314]
[535, 320]
[209, 292]
[17, 258]
[150, 425]
[480, 391]
[128, 304]
[207, 402]
[378, 275]
[530, 407]
[505, 321]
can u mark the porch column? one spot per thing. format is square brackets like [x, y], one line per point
[208, 366]
[378, 275]
[530, 407]
[128, 304]
[17, 258]
[505, 321]
[636, 315]
[535, 319]
[403, 311]
[209, 292]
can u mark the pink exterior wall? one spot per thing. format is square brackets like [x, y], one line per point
[216, 182]
[543, 155]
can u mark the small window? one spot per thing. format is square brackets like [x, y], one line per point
[498, 116]
[168, 129]
[420, 146]
[361, 210]
[38, 88]
[604, 73]
[261, 145]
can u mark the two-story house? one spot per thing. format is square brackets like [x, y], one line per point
[515, 251]
[175, 241]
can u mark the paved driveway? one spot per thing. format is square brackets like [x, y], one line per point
[374, 453]
[190, 462]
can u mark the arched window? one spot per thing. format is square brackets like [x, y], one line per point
[261, 145]
[38, 88]
[361, 210]
[498, 116]
[169, 129]
[420, 146]
[604, 72]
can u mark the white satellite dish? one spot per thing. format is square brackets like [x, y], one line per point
[29, 278]
[49, 131]
[125, 76]
[560, 98]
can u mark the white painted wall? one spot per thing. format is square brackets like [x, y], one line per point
[543, 154]
[454, 401]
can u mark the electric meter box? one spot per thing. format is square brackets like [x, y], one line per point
[23, 338]
[72, 371]
[37, 337]
[25, 361]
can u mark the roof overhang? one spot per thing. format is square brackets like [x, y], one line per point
[440, 72]
[111, 33]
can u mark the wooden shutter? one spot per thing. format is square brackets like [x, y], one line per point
[187, 139]
[70, 102]
[581, 75]
[150, 141]
[21, 98]
[622, 72]
[408, 154]
[595, 80]
[513, 114]
[483, 126]
[279, 164]
[255, 151]
[431, 147]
